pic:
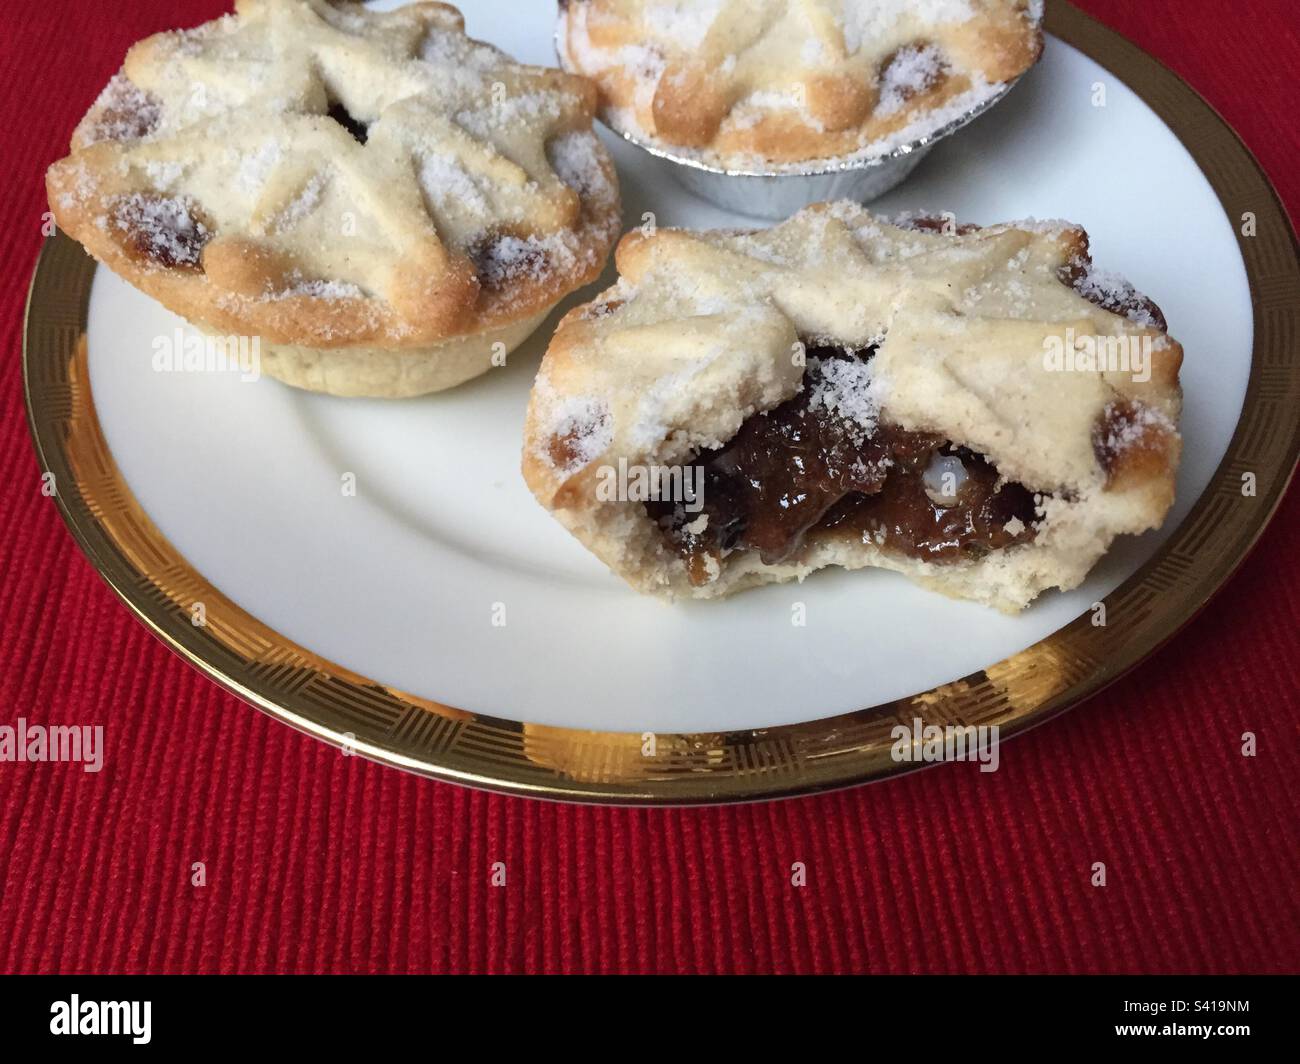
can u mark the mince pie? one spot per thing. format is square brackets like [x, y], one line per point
[388, 204]
[976, 408]
[752, 84]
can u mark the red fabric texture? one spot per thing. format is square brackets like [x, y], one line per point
[319, 862]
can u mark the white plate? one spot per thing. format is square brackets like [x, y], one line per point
[401, 583]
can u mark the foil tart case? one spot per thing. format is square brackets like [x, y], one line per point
[782, 191]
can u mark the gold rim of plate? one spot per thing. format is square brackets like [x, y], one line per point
[341, 707]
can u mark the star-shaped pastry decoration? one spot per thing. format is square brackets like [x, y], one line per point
[328, 176]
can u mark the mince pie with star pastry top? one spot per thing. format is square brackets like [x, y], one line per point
[750, 85]
[976, 408]
[387, 203]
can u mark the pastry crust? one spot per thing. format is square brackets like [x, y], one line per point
[396, 373]
[705, 330]
[339, 181]
[750, 84]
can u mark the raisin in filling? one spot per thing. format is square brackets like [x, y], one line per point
[806, 471]
[358, 130]
[501, 259]
[166, 231]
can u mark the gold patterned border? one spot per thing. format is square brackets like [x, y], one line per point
[341, 707]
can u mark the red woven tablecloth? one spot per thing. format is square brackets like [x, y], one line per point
[319, 862]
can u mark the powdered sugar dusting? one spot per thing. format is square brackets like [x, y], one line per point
[577, 429]
[164, 228]
[928, 123]
[912, 71]
[444, 49]
[330, 291]
[1111, 290]
[83, 186]
[844, 387]
[1128, 424]
[162, 175]
[644, 61]
[866, 21]
[512, 258]
[255, 168]
[577, 161]
[689, 20]
[304, 203]
[126, 113]
[448, 185]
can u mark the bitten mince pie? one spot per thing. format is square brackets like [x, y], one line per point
[745, 84]
[387, 203]
[976, 408]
